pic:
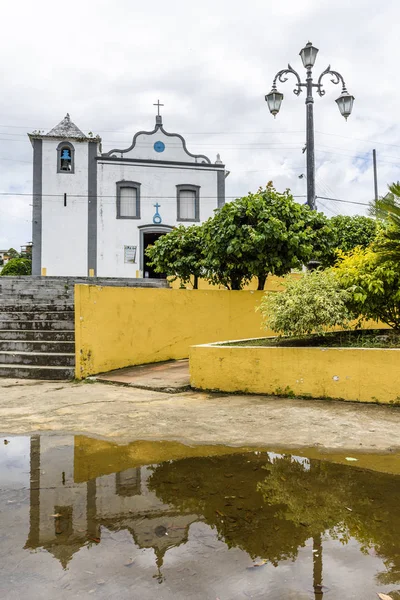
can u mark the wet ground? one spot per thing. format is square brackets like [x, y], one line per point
[125, 413]
[88, 518]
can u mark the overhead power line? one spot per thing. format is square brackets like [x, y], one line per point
[345, 201]
[151, 197]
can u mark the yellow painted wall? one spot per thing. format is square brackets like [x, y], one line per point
[364, 375]
[119, 327]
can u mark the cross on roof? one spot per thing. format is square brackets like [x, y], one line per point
[158, 106]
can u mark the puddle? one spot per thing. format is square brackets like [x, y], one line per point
[84, 518]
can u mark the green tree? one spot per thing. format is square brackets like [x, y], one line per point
[17, 266]
[12, 253]
[179, 254]
[374, 286]
[348, 233]
[261, 234]
[313, 303]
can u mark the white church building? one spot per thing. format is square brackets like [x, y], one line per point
[94, 213]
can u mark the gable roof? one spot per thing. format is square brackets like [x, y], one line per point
[66, 128]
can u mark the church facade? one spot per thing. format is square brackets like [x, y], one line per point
[94, 213]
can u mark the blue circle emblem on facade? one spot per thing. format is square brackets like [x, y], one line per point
[159, 146]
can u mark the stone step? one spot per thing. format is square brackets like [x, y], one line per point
[37, 372]
[38, 294]
[66, 284]
[38, 325]
[34, 299]
[67, 315]
[55, 292]
[32, 334]
[30, 289]
[36, 346]
[7, 306]
[37, 358]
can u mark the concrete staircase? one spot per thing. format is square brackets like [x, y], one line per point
[37, 337]
[37, 328]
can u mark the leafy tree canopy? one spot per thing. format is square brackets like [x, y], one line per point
[179, 253]
[348, 233]
[313, 303]
[374, 287]
[12, 253]
[260, 234]
[17, 266]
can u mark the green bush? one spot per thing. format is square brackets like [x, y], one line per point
[17, 266]
[313, 303]
[348, 233]
[374, 287]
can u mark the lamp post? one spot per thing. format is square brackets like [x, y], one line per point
[274, 100]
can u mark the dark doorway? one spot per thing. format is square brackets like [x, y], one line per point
[148, 240]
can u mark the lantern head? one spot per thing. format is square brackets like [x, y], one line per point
[274, 100]
[345, 103]
[308, 55]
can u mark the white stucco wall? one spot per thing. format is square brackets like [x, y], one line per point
[158, 184]
[64, 229]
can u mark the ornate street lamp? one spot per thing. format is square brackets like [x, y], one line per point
[274, 100]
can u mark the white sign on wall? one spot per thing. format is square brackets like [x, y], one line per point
[130, 254]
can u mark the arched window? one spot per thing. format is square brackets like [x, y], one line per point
[65, 158]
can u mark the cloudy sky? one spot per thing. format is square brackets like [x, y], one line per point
[211, 64]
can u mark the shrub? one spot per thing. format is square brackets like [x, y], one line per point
[313, 303]
[374, 287]
[348, 233]
[17, 266]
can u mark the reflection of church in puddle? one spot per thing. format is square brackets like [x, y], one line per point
[75, 493]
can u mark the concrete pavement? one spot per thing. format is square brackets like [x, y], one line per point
[124, 414]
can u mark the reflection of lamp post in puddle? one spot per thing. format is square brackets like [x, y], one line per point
[317, 567]
[317, 554]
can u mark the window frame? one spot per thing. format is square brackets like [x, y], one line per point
[128, 184]
[187, 187]
[60, 146]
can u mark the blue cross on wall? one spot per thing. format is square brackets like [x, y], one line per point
[157, 217]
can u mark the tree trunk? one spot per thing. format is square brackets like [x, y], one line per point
[196, 282]
[261, 281]
[236, 283]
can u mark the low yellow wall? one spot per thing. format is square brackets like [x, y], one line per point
[119, 327]
[358, 374]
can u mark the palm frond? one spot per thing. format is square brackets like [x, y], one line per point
[388, 206]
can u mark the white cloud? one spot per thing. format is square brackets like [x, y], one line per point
[211, 63]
